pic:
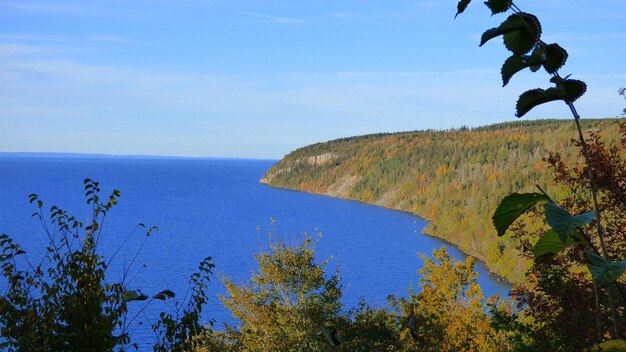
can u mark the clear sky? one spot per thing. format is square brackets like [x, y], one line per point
[261, 78]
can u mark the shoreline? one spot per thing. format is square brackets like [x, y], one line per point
[489, 272]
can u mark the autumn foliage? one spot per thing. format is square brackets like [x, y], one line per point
[453, 178]
[292, 304]
[559, 293]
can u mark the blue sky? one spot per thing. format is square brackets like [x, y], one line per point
[261, 78]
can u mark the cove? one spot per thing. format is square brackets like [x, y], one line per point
[217, 208]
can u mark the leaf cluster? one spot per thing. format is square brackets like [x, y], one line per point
[521, 34]
[62, 303]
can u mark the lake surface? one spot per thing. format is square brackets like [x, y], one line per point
[217, 208]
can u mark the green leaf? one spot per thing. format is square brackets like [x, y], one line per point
[521, 32]
[534, 97]
[572, 89]
[511, 66]
[584, 218]
[551, 243]
[498, 6]
[564, 223]
[604, 272]
[511, 24]
[522, 41]
[461, 6]
[555, 58]
[560, 220]
[516, 63]
[512, 206]
[539, 51]
[165, 294]
[128, 296]
[528, 37]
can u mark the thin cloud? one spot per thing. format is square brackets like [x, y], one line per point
[576, 37]
[476, 72]
[18, 50]
[277, 19]
[165, 102]
[108, 38]
[46, 7]
[34, 38]
[48, 111]
[411, 12]
[349, 16]
[102, 38]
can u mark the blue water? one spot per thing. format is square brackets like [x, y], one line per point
[217, 208]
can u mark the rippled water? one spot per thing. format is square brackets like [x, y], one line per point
[211, 207]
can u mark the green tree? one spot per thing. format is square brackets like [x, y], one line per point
[371, 329]
[289, 305]
[449, 312]
[292, 305]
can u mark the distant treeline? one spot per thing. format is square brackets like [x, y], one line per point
[452, 178]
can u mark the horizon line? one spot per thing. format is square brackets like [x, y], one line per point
[127, 156]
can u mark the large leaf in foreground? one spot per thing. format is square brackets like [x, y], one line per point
[564, 223]
[512, 206]
[520, 32]
[534, 97]
[555, 57]
[605, 272]
[516, 63]
[571, 89]
[551, 243]
[513, 23]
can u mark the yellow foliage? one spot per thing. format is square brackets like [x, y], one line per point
[610, 346]
[449, 311]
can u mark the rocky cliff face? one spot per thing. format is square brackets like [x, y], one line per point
[313, 161]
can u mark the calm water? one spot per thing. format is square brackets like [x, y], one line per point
[217, 208]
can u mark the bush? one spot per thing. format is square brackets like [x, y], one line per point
[65, 303]
[289, 305]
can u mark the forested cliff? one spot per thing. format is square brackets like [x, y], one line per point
[453, 178]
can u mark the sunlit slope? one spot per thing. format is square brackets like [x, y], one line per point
[454, 178]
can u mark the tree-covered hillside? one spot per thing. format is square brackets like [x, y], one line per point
[453, 178]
